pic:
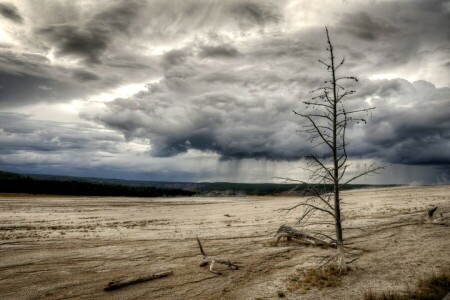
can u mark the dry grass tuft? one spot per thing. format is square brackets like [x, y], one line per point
[434, 287]
[304, 280]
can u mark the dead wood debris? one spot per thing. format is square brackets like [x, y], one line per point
[315, 239]
[212, 261]
[432, 219]
[114, 285]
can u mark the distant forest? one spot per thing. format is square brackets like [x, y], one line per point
[16, 183]
[89, 186]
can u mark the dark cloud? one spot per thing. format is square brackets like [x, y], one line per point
[218, 51]
[124, 63]
[24, 74]
[431, 5]
[118, 18]
[85, 76]
[9, 11]
[251, 13]
[252, 123]
[410, 126]
[175, 57]
[395, 34]
[20, 89]
[90, 40]
[363, 26]
[33, 64]
[88, 44]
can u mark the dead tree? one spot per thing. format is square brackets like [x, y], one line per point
[327, 121]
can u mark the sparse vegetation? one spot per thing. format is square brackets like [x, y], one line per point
[306, 279]
[434, 287]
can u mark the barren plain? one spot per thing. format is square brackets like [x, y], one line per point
[71, 247]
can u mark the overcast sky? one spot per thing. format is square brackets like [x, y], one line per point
[204, 90]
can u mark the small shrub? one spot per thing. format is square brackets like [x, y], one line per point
[434, 287]
[304, 280]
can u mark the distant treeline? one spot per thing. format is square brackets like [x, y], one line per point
[16, 183]
[212, 189]
[91, 186]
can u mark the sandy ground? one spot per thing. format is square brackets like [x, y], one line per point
[59, 248]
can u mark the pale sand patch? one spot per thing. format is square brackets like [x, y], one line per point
[65, 247]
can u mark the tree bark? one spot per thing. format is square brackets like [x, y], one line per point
[337, 209]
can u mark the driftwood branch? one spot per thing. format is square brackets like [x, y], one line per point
[431, 211]
[290, 233]
[432, 219]
[114, 285]
[212, 261]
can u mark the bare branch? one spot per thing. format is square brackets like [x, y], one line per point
[315, 126]
[325, 64]
[309, 205]
[340, 64]
[348, 77]
[313, 157]
[321, 88]
[317, 104]
[358, 110]
[370, 171]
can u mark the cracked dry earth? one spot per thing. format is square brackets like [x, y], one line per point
[71, 247]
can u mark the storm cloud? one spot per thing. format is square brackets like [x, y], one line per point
[409, 126]
[220, 79]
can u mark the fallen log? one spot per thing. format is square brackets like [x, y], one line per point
[212, 261]
[311, 239]
[114, 285]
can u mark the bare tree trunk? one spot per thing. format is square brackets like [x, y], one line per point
[337, 208]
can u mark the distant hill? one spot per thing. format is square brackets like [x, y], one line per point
[114, 186]
[59, 185]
